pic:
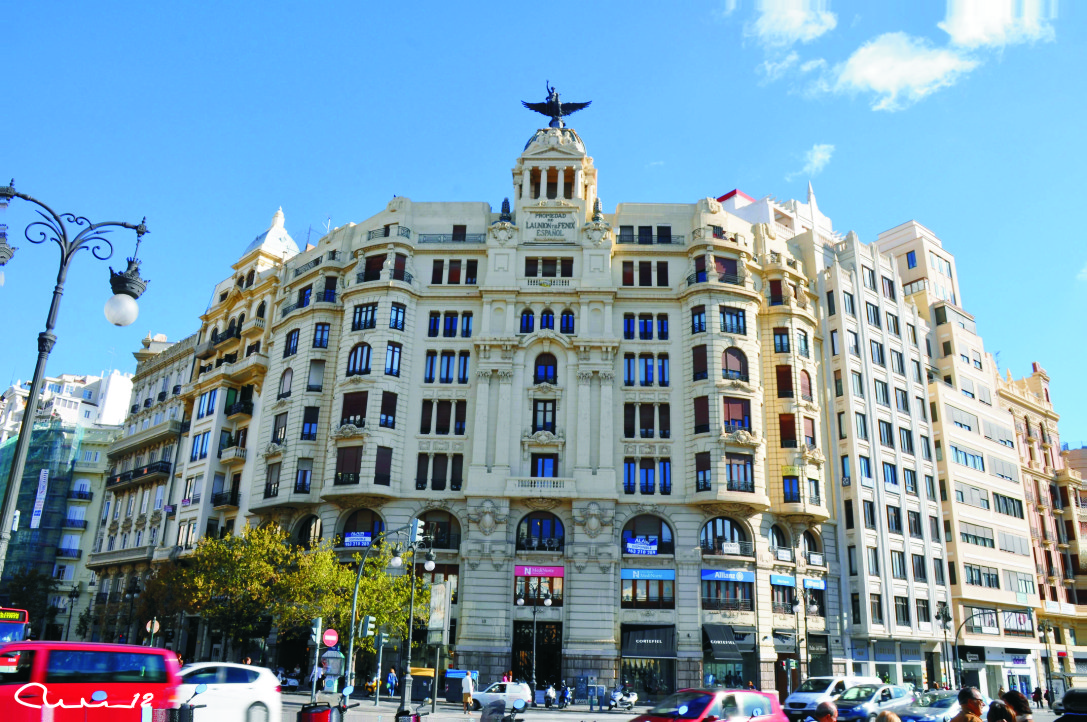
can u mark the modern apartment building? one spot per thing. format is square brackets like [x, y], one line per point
[991, 569]
[1053, 493]
[76, 400]
[873, 391]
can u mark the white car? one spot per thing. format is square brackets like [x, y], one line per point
[235, 691]
[505, 691]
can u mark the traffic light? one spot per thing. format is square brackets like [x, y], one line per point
[792, 664]
[366, 626]
[315, 632]
[417, 530]
[382, 639]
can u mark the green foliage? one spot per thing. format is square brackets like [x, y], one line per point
[83, 624]
[30, 590]
[240, 583]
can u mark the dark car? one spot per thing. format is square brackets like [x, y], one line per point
[865, 701]
[706, 705]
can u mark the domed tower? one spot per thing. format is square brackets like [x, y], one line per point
[554, 171]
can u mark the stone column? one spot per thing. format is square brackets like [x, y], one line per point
[578, 182]
[526, 184]
[506, 426]
[544, 169]
[607, 451]
[580, 434]
[560, 182]
[480, 430]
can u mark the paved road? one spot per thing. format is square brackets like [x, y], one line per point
[446, 712]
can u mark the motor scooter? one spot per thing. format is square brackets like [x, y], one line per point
[623, 699]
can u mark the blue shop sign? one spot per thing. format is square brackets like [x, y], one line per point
[727, 575]
[780, 580]
[640, 545]
[668, 574]
[356, 539]
[815, 584]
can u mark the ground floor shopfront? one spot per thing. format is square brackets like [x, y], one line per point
[917, 664]
[992, 668]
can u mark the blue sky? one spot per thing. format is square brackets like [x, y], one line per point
[965, 116]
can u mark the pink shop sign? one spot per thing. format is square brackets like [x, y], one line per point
[527, 571]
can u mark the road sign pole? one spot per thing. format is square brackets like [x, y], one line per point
[380, 648]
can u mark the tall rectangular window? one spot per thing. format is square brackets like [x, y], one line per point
[309, 423]
[320, 335]
[392, 359]
[733, 320]
[383, 465]
[388, 410]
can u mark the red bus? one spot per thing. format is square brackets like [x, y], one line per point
[14, 625]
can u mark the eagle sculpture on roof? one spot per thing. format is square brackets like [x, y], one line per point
[554, 108]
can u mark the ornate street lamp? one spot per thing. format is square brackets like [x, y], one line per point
[397, 561]
[943, 616]
[535, 611]
[1046, 628]
[73, 595]
[805, 600]
[120, 310]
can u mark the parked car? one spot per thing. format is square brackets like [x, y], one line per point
[802, 702]
[125, 677]
[235, 691]
[696, 705]
[865, 701]
[1072, 705]
[937, 706]
[505, 691]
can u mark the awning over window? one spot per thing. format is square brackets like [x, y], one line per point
[719, 642]
[643, 640]
[745, 637]
[784, 641]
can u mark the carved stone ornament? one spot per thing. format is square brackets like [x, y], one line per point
[274, 449]
[584, 377]
[503, 232]
[487, 517]
[606, 376]
[813, 456]
[596, 232]
[593, 518]
[398, 203]
[505, 376]
[741, 437]
[543, 504]
[348, 431]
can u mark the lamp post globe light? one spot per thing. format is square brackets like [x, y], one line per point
[73, 595]
[420, 541]
[535, 611]
[943, 616]
[120, 310]
[1046, 628]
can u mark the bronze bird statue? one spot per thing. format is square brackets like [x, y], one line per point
[554, 108]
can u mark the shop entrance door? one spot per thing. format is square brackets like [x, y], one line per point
[786, 680]
[548, 653]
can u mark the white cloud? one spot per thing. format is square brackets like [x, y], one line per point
[782, 23]
[977, 23]
[1082, 275]
[811, 65]
[900, 70]
[727, 8]
[772, 70]
[815, 160]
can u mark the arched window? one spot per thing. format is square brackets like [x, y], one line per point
[214, 334]
[231, 326]
[810, 543]
[241, 321]
[778, 540]
[285, 383]
[362, 528]
[240, 281]
[566, 322]
[260, 310]
[444, 527]
[722, 535]
[547, 319]
[547, 369]
[734, 364]
[805, 386]
[540, 531]
[648, 534]
[309, 532]
[527, 321]
[249, 278]
[358, 361]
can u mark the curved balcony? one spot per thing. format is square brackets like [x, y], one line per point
[807, 509]
[151, 472]
[745, 496]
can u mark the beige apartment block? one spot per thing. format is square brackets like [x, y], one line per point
[579, 404]
[991, 569]
[1054, 498]
[141, 462]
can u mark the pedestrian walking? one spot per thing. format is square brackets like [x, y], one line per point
[390, 681]
[467, 687]
[1037, 697]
